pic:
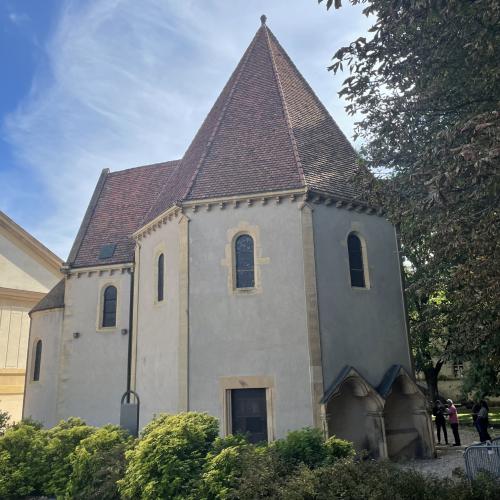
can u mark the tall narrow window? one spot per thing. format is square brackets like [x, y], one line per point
[161, 279]
[356, 267]
[244, 261]
[109, 307]
[38, 360]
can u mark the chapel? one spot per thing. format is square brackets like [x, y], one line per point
[246, 280]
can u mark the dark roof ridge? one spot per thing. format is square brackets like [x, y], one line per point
[221, 116]
[311, 90]
[87, 217]
[283, 102]
[158, 164]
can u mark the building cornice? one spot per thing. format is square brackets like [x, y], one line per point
[106, 269]
[305, 194]
[30, 244]
[220, 202]
[20, 295]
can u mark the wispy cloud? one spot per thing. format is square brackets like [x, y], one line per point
[18, 18]
[128, 83]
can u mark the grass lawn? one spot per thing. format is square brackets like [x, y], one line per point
[465, 416]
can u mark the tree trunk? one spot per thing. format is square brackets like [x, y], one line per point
[431, 379]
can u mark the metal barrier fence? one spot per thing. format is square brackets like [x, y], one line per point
[483, 458]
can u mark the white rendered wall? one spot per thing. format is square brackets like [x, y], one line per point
[156, 379]
[261, 335]
[93, 367]
[21, 271]
[364, 328]
[40, 400]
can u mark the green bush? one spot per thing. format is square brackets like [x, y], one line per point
[225, 465]
[379, 481]
[62, 441]
[97, 463]
[263, 472]
[338, 448]
[23, 463]
[168, 460]
[305, 446]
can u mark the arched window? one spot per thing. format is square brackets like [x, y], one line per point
[109, 307]
[38, 360]
[160, 279]
[356, 266]
[244, 261]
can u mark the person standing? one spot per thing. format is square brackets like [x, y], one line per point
[439, 412]
[475, 411]
[453, 415]
[482, 422]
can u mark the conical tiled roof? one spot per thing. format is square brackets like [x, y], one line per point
[267, 131]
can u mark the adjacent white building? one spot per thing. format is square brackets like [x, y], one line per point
[28, 270]
[245, 280]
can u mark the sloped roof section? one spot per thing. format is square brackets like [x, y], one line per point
[327, 157]
[117, 209]
[267, 131]
[54, 299]
[387, 382]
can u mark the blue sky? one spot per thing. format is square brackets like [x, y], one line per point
[93, 84]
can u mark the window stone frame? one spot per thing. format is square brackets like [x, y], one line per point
[227, 384]
[100, 307]
[229, 261]
[364, 255]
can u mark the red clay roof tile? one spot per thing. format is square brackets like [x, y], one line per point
[125, 198]
[267, 131]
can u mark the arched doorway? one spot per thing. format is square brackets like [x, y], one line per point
[354, 411]
[407, 423]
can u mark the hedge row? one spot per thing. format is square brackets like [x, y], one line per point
[182, 457]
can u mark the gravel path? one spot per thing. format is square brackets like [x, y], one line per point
[448, 458]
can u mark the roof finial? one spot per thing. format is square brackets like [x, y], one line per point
[263, 19]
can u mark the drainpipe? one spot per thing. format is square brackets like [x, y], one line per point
[130, 331]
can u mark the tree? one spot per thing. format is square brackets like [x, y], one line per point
[427, 87]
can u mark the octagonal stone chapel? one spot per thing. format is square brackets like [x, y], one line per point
[245, 280]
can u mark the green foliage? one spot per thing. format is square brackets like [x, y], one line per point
[225, 465]
[426, 86]
[97, 463]
[379, 481]
[181, 457]
[304, 446]
[62, 441]
[338, 449]
[168, 460]
[23, 461]
[4, 422]
[263, 472]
